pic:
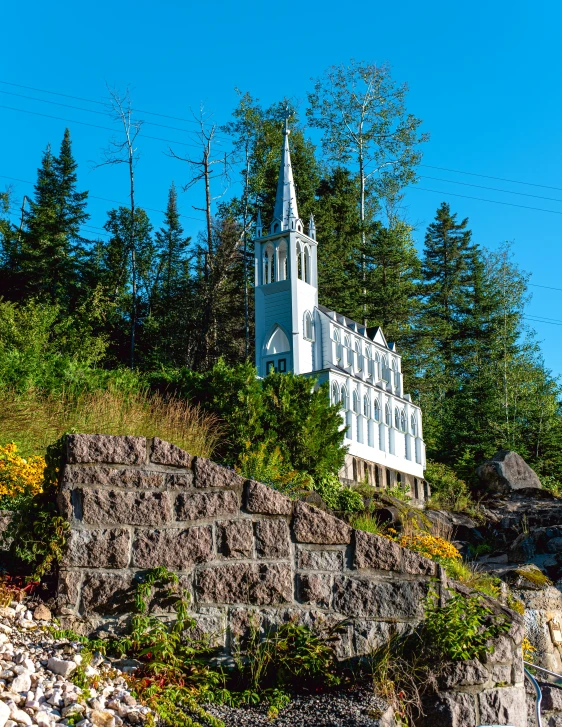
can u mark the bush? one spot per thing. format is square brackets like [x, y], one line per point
[336, 496]
[266, 464]
[551, 484]
[18, 476]
[448, 492]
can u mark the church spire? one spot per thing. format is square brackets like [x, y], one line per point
[285, 213]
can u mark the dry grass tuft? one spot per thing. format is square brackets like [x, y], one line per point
[35, 421]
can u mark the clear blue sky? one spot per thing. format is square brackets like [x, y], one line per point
[485, 77]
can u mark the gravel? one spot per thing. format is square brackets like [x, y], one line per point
[34, 688]
[336, 709]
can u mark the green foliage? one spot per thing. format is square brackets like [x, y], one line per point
[448, 491]
[37, 534]
[400, 492]
[265, 464]
[336, 496]
[552, 484]
[369, 523]
[463, 628]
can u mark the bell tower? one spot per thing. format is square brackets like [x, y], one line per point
[286, 282]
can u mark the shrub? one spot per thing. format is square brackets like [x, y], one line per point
[265, 463]
[552, 484]
[448, 492]
[463, 628]
[365, 521]
[336, 496]
[18, 476]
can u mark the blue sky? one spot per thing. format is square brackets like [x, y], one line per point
[483, 76]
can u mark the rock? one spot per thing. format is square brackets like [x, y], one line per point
[22, 683]
[528, 577]
[4, 714]
[311, 525]
[73, 709]
[105, 448]
[505, 472]
[61, 666]
[235, 538]
[315, 588]
[114, 507]
[43, 719]
[197, 505]
[101, 718]
[273, 539]
[42, 613]
[177, 549]
[464, 674]
[322, 560]
[168, 454]
[502, 706]
[376, 552]
[98, 476]
[261, 584]
[449, 710]
[263, 499]
[19, 716]
[358, 597]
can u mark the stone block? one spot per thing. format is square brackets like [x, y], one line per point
[107, 548]
[468, 673]
[272, 539]
[98, 476]
[209, 623]
[201, 505]
[115, 507]
[174, 549]
[503, 651]
[105, 448]
[169, 454]
[323, 560]
[263, 499]
[505, 705]
[371, 635]
[210, 474]
[551, 699]
[315, 588]
[392, 601]
[107, 593]
[376, 552]
[311, 525]
[416, 564]
[449, 710]
[245, 583]
[179, 480]
[235, 538]
[68, 589]
[500, 674]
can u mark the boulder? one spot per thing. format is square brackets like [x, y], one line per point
[505, 472]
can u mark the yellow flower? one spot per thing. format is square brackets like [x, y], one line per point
[19, 476]
[431, 546]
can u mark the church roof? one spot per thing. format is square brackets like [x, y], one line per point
[373, 333]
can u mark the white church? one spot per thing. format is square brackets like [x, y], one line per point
[383, 427]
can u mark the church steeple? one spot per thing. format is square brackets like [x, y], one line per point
[285, 213]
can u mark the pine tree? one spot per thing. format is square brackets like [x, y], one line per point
[172, 246]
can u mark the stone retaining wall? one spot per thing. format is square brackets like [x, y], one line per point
[241, 548]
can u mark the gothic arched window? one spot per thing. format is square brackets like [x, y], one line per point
[278, 342]
[387, 415]
[370, 362]
[306, 277]
[366, 407]
[376, 410]
[339, 347]
[344, 402]
[282, 260]
[308, 327]
[335, 393]
[414, 425]
[269, 265]
[403, 420]
[377, 365]
[356, 402]
[385, 376]
[359, 355]
[347, 345]
[299, 260]
[396, 418]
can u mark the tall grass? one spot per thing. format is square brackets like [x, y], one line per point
[34, 420]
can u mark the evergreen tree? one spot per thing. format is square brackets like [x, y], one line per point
[48, 261]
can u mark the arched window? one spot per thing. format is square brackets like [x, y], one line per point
[306, 264]
[366, 407]
[403, 420]
[308, 327]
[283, 261]
[387, 415]
[395, 373]
[414, 425]
[356, 402]
[385, 375]
[370, 362]
[269, 267]
[278, 342]
[339, 347]
[299, 260]
[344, 399]
[335, 393]
[377, 366]
[349, 354]
[376, 410]
[359, 355]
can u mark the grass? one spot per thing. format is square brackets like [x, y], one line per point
[365, 521]
[34, 421]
